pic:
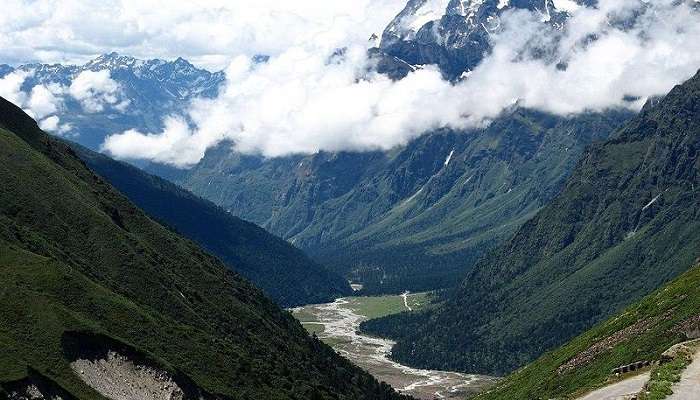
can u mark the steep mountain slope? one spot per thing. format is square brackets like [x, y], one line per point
[413, 218]
[627, 221]
[281, 270]
[642, 332]
[81, 264]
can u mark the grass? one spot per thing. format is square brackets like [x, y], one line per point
[303, 315]
[381, 306]
[369, 307]
[665, 375]
[668, 312]
[314, 328]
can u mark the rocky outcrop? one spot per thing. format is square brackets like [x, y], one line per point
[118, 377]
[120, 372]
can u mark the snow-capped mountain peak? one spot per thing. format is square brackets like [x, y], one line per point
[455, 34]
[112, 61]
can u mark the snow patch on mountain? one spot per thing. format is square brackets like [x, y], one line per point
[418, 13]
[470, 8]
[566, 5]
[449, 158]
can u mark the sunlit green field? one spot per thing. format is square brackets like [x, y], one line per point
[376, 307]
[369, 307]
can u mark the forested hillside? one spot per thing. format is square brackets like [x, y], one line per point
[285, 273]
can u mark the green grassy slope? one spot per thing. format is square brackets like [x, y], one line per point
[77, 256]
[640, 333]
[627, 222]
[285, 273]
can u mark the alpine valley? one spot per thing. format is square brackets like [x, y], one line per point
[535, 255]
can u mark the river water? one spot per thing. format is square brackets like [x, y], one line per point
[340, 329]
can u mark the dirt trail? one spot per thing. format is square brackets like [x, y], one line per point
[689, 386]
[405, 300]
[622, 390]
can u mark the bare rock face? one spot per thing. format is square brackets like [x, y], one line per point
[121, 372]
[118, 377]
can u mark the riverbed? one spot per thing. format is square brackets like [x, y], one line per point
[338, 323]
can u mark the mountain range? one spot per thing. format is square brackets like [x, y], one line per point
[534, 230]
[414, 218]
[147, 90]
[419, 216]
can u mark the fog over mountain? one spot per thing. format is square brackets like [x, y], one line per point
[623, 51]
[319, 89]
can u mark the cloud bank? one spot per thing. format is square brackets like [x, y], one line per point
[41, 103]
[206, 32]
[94, 90]
[303, 100]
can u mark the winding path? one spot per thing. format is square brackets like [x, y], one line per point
[621, 390]
[689, 386]
[405, 300]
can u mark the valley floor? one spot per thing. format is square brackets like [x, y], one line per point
[338, 323]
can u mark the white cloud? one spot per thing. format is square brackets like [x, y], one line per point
[10, 88]
[41, 103]
[50, 123]
[95, 90]
[207, 32]
[53, 124]
[566, 5]
[301, 103]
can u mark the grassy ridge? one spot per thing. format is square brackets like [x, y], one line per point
[641, 333]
